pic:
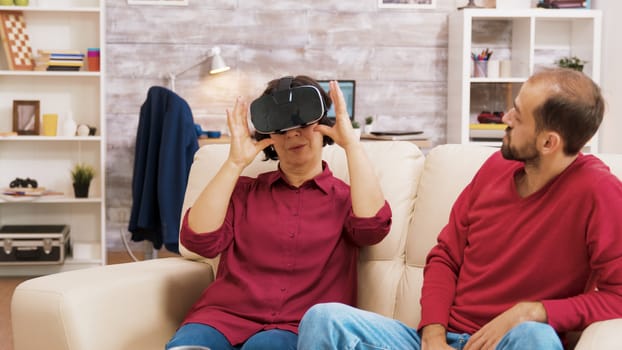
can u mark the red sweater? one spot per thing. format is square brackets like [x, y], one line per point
[283, 249]
[553, 246]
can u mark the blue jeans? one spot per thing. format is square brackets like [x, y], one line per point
[342, 327]
[204, 335]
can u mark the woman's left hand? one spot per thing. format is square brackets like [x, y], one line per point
[342, 132]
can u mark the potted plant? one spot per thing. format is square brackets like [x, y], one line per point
[573, 62]
[81, 175]
[369, 124]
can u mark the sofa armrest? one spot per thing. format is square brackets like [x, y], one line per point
[126, 306]
[604, 335]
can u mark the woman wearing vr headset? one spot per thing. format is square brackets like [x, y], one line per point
[289, 238]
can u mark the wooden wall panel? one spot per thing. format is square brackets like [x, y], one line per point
[398, 58]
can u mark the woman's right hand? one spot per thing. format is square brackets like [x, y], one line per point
[243, 148]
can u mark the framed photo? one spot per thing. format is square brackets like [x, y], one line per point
[26, 117]
[348, 88]
[15, 40]
[412, 4]
[158, 2]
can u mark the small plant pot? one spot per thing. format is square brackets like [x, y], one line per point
[369, 128]
[81, 190]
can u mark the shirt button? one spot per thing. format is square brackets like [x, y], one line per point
[291, 235]
[273, 313]
[283, 289]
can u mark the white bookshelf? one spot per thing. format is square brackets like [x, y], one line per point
[530, 39]
[57, 24]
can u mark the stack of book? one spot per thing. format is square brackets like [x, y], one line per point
[59, 60]
[487, 131]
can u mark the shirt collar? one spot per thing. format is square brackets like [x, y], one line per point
[322, 181]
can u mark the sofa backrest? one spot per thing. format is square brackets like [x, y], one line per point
[421, 191]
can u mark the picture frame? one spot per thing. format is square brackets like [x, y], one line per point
[26, 119]
[407, 4]
[15, 41]
[159, 2]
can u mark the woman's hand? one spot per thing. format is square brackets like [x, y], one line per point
[342, 132]
[365, 191]
[243, 148]
[214, 199]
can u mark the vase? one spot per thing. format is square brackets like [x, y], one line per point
[81, 190]
[369, 128]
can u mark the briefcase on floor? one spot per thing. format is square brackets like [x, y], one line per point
[33, 244]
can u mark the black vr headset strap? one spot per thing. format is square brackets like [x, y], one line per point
[285, 83]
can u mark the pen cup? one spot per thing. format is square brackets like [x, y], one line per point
[480, 68]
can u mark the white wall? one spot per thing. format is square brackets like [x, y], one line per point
[611, 75]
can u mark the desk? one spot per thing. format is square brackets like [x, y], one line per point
[421, 143]
[210, 141]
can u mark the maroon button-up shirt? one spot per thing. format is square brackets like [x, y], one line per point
[283, 249]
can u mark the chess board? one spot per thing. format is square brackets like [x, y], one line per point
[15, 40]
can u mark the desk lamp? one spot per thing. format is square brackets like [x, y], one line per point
[218, 65]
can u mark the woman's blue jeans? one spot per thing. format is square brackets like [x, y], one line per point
[204, 335]
[342, 327]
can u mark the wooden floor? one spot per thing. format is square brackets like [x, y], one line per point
[8, 284]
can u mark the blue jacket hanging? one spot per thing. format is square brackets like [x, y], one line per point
[166, 141]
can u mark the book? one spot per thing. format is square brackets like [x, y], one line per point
[40, 66]
[487, 131]
[60, 55]
[41, 52]
[62, 68]
[65, 63]
[487, 126]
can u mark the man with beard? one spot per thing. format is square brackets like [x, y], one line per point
[532, 249]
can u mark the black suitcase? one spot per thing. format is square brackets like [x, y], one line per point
[33, 244]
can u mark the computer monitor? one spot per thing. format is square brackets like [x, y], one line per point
[348, 87]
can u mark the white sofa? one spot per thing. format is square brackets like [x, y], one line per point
[138, 306]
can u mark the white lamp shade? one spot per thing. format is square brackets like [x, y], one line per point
[218, 65]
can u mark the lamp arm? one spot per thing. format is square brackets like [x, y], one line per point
[172, 76]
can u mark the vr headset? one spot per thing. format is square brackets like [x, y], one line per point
[287, 108]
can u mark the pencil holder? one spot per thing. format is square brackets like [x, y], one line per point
[480, 68]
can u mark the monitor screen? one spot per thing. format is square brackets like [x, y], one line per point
[348, 89]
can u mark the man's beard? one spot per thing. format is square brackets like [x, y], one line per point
[526, 154]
